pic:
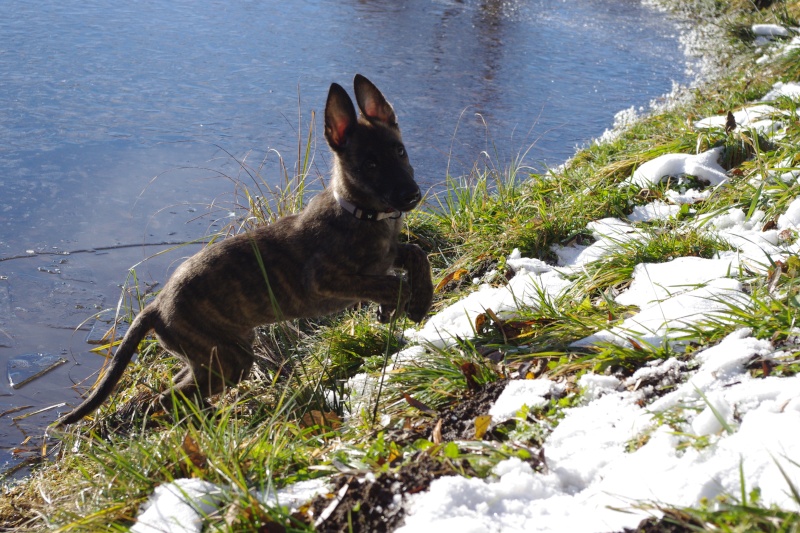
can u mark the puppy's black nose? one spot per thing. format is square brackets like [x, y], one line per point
[413, 198]
[409, 200]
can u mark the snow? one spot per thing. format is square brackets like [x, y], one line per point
[592, 474]
[657, 210]
[704, 166]
[789, 90]
[764, 119]
[178, 507]
[620, 447]
[657, 282]
[772, 52]
[669, 321]
[181, 506]
[770, 30]
[533, 281]
[519, 393]
[609, 233]
[791, 218]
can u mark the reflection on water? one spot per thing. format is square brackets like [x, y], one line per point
[98, 98]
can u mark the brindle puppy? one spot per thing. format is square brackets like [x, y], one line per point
[340, 250]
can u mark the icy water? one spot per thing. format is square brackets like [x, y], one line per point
[121, 121]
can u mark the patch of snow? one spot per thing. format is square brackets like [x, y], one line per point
[182, 505]
[610, 234]
[764, 119]
[295, 495]
[770, 30]
[787, 171]
[670, 319]
[178, 507]
[594, 479]
[766, 33]
[653, 282]
[776, 52]
[526, 288]
[656, 210]
[781, 89]
[519, 392]
[596, 385]
[691, 196]
[791, 218]
[703, 166]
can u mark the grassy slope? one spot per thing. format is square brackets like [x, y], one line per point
[277, 429]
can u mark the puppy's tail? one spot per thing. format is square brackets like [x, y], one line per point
[139, 328]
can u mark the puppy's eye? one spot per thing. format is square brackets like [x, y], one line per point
[401, 151]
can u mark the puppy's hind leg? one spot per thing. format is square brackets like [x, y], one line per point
[184, 386]
[227, 366]
[210, 368]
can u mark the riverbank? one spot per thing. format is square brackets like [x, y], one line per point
[603, 340]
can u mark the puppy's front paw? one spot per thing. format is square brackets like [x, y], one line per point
[420, 304]
[385, 313]
[418, 314]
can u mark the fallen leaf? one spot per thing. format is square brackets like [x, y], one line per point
[774, 276]
[470, 370]
[636, 345]
[394, 454]
[482, 423]
[453, 276]
[192, 452]
[480, 323]
[730, 122]
[419, 405]
[322, 421]
[436, 435]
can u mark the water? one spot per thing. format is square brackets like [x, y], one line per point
[117, 120]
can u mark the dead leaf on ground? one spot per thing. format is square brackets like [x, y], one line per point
[193, 453]
[436, 435]
[416, 404]
[482, 424]
[774, 275]
[470, 370]
[323, 422]
[480, 323]
[636, 345]
[453, 276]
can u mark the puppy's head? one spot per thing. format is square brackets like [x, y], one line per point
[371, 167]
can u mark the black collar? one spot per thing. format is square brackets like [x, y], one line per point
[365, 214]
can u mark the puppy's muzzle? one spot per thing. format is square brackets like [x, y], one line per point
[408, 201]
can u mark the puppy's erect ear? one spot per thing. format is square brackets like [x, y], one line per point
[372, 103]
[340, 117]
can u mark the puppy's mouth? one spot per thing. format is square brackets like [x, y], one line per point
[408, 203]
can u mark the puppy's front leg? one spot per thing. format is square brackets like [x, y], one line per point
[386, 290]
[414, 261]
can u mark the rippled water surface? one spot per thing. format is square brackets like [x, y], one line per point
[120, 121]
